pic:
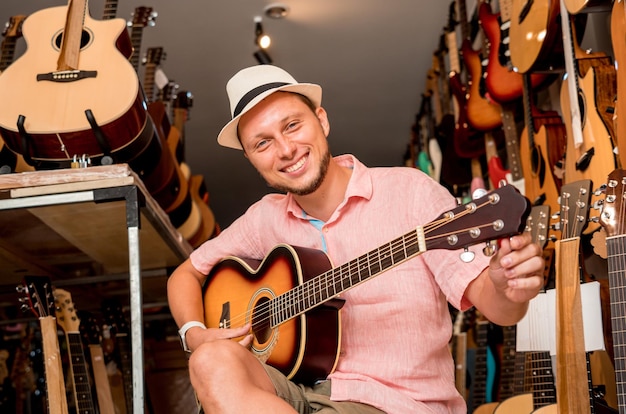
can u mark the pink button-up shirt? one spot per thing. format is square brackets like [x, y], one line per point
[395, 327]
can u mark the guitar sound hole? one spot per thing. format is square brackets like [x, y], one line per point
[85, 39]
[261, 321]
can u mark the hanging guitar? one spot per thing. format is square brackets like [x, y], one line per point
[618, 41]
[285, 313]
[73, 92]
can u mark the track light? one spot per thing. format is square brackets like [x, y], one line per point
[262, 57]
[260, 38]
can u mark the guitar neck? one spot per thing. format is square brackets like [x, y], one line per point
[122, 341]
[480, 365]
[80, 374]
[340, 279]
[616, 265]
[110, 10]
[508, 365]
[55, 384]
[8, 52]
[148, 82]
[136, 34]
[539, 373]
[512, 143]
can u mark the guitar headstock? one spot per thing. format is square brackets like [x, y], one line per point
[89, 328]
[114, 316]
[612, 215]
[65, 311]
[144, 16]
[183, 100]
[13, 28]
[537, 224]
[38, 295]
[500, 213]
[574, 211]
[154, 55]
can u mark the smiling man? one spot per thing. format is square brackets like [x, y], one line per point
[395, 329]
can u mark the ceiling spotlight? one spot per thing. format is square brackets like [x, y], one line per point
[262, 57]
[260, 38]
[276, 11]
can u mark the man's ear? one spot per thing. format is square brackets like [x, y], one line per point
[322, 115]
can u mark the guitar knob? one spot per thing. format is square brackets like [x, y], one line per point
[467, 255]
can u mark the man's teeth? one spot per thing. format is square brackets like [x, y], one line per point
[296, 166]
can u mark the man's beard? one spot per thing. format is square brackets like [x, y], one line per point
[314, 185]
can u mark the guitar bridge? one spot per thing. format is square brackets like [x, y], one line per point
[67, 75]
[225, 316]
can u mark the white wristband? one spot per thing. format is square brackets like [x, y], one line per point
[183, 331]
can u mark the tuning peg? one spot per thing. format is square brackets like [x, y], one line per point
[490, 248]
[600, 190]
[20, 288]
[467, 255]
[595, 219]
[598, 204]
[24, 307]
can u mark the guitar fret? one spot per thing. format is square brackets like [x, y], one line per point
[616, 248]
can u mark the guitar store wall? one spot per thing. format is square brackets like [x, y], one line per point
[490, 373]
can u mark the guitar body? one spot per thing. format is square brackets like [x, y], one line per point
[547, 409]
[482, 114]
[517, 404]
[618, 41]
[540, 185]
[468, 142]
[54, 111]
[238, 287]
[503, 84]
[488, 408]
[587, 6]
[536, 36]
[597, 145]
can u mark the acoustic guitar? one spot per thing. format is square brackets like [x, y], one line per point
[587, 6]
[294, 291]
[39, 299]
[592, 157]
[535, 36]
[73, 91]
[9, 160]
[618, 41]
[69, 322]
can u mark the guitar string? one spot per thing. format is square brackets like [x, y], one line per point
[327, 281]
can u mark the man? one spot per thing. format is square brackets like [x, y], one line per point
[395, 328]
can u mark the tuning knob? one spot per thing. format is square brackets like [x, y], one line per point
[467, 255]
[490, 249]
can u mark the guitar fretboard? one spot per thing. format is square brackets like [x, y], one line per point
[539, 371]
[110, 10]
[616, 247]
[8, 52]
[337, 280]
[82, 388]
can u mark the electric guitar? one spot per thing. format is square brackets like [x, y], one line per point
[69, 322]
[285, 313]
[39, 300]
[503, 84]
[73, 92]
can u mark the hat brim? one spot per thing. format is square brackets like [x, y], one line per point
[228, 135]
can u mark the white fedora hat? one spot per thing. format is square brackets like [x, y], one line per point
[250, 86]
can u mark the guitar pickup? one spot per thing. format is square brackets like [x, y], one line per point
[67, 75]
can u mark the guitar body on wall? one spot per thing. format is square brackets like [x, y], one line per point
[71, 67]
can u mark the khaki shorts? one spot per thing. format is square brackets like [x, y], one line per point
[316, 399]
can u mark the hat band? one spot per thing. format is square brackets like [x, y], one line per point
[245, 100]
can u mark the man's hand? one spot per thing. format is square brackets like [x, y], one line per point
[197, 336]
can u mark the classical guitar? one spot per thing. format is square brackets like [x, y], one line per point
[73, 91]
[592, 155]
[69, 322]
[286, 312]
[39, 300]
[503, 84]
[535, 36]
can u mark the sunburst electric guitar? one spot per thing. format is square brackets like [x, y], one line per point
[293, 292]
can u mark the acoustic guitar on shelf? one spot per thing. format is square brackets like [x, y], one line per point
[239, 291]
[73, 92]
